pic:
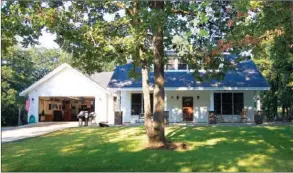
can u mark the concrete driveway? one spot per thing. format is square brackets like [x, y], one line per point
[32, 130]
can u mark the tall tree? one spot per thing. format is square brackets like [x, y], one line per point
[158, 132]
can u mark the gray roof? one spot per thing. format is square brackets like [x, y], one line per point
[102, 78]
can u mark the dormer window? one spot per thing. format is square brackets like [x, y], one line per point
[174, 64]
[182, 66]
[171, 65]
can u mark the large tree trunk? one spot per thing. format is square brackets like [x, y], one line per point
[158, 136]
[147, 101]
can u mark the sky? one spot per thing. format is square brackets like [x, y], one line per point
[47, 39]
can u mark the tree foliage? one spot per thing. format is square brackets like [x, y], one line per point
[19, 69]
[269, 38]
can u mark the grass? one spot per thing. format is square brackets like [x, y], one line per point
[257, 149]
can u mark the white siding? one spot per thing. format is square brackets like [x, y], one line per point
[110, 109]
[126, 106]
[249, 104]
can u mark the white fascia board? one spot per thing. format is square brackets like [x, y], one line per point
[203, 89]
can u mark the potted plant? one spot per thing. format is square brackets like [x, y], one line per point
[258, 117]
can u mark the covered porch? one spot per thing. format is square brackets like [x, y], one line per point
[194, 106]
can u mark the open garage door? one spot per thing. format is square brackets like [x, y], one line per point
[64, 108]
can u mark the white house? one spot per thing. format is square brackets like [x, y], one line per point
[68, 90]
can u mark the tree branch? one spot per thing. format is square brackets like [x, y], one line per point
[119, 5]
[182, 12]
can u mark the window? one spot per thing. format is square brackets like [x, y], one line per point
[137, 106]
[176, 64]
[238, 103]
[171, 64]
[228, 103]
[182, 65]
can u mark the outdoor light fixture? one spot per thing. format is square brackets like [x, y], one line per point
[177, 97]
[197, 97]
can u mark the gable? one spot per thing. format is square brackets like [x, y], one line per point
[68, 83]
[65, 81]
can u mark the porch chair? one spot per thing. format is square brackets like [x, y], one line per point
[244, 115]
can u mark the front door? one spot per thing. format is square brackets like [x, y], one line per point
[187, 107]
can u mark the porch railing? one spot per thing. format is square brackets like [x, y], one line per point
[166, 117]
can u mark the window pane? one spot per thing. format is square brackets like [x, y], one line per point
[136, 98]
[238, 97]
[238, 108]
[217, 103]
[238, 103]
[170, 64]
[136, 104]
[182, 66]
[227, 109]
[227, 97]
[135, 109]
[170, 67]
[227, 103]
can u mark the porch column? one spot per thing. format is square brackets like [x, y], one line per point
[258, 102]
[165, 101]
[211, 101]
[212, 117]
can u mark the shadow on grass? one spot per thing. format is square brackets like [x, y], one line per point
[123, 149]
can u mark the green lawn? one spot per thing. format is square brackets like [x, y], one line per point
[210, 148]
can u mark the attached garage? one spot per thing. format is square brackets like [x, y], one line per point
[65, 91]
